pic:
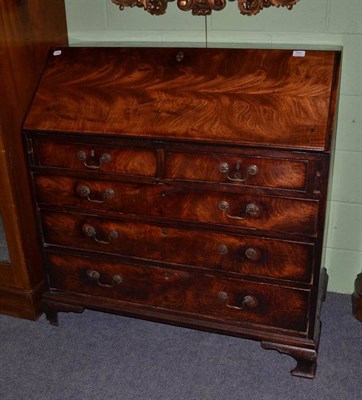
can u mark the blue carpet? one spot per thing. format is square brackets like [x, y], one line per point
[96, 356]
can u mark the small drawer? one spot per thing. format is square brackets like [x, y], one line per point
[95, 158]
[186, 292]
[243, 255]
[266, 172]
[264, 213]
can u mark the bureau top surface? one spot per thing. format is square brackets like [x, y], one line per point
[244, 97]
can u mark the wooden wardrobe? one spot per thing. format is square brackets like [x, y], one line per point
[27, 29]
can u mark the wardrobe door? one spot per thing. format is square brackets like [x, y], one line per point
[27, 30]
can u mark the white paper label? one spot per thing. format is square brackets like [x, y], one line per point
[57, 53]
[299, 53]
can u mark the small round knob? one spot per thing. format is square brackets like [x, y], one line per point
[224, 205]
[222, 296]
[223, 249]
[253, 169]
[106, 157]
[89, 230]
[251, 301]
[252, 254]
[81, 155]
[83, 191]
[117, 279]
[252, 210]
[109, 193]
[113, 234]
[180, 56]
[94, 275]
[224, 167]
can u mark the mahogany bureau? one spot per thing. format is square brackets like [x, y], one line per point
[187, 186]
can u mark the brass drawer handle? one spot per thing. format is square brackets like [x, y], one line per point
[84, 192]
[251, 170]
[96, 276]
[251, 210]
[95, 164]
[90, 232]
[248, 301]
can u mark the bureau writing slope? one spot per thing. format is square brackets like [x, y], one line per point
[187, 186]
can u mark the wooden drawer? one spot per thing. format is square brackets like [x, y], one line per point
[239, 170]
[95, 158]
[255, 212]
[182, 291]
[232, 253]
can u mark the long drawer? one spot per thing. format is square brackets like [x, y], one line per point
[210, 250]
[182, 291]
[254, 212]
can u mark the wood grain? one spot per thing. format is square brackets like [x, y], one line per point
[121, 160]
[254, 97]
[180, 290]
[27, 29]
[271, 173]
[214, 251]
[187, 245]
[179, 203]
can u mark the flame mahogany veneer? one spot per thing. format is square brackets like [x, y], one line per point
[187, 187]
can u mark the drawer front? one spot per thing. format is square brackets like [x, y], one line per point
[245, 211]
[238, 254]
[253, 171]
[95, 158]
[181, 291]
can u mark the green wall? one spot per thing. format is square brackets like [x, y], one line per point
[311, 24]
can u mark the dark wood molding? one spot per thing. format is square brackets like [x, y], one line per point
[21, 303]
[205, 7]
[357, 298]
[27, 29]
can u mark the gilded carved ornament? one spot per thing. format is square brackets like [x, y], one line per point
[205, 7]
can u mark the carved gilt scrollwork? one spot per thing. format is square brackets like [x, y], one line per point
[204, 7]
[201, 7]
[154, 7]
[253, 7]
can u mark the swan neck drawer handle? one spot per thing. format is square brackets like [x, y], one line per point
[247, 302]
[85, 192]
[237, 175]
[94, 275]
[90, 232]
[93, 163]
[251, 210]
